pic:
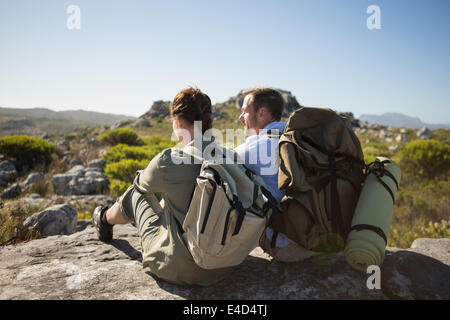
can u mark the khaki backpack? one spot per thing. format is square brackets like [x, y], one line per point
[322, 171]
[226, 216]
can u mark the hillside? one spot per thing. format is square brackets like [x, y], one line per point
[422, 207]
[39, 121]
[400, 120]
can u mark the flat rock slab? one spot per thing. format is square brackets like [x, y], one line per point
[79, 266]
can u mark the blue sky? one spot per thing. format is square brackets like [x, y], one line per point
[129, 53]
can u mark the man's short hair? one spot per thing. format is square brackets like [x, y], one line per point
[268, 98]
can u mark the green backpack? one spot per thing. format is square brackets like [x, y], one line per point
[321, 169]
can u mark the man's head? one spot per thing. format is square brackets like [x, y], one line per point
[262, 105]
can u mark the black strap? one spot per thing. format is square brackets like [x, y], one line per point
[272, 201]
[378, 170]
[273, 241]
[336, 213]
[255, 194]
[377, 230]
[241, 214]
[224, 236]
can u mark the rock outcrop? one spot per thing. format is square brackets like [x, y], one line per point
[11, 192]
[55, 220]
[159, 109]
[32, 178]
[81, 267]
[81, 181]
[8, 172]
[424, 134]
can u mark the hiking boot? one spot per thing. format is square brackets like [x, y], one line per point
[104, 229]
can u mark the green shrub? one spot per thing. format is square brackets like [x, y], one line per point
[125, 169]
[121, 135]
[27, 151]
[426, 158]
[118, 187]
[159, 142]
[402, 235]
[123, 151]
[154, 145]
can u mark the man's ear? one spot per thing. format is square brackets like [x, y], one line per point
[264, 114]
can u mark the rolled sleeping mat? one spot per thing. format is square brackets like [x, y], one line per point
[367, 240]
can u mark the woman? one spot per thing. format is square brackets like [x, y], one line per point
[164, 251]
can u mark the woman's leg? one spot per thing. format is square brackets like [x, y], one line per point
[114, 215]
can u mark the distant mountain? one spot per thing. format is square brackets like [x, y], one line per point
[37, 121]
[400, 120]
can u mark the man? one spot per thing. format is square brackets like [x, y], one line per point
[261, 114]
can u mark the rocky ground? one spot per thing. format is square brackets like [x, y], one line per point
[78, 266]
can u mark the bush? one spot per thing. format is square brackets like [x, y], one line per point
[154, 145]
[123, 151]
[27, 151]
[121, 135]
[426, 158]
[118, 187]
[159, 142]
[125, 169]
[403, 235]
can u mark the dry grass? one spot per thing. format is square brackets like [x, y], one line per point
[12, 216]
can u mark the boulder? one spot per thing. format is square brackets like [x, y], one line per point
[424, 134]
[33, 178]
[8, 172]
[55, 220]
[88, 185]
[401, 138]
[7, 165]
[158, 109]
[80, 181]
[61, 181]
[75, 162]
[79, 266]
[97, 164]
[142, 123]
[12, 192]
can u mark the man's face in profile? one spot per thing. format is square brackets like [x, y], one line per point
[248, 117]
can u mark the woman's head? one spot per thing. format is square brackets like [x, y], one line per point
[188, 106]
